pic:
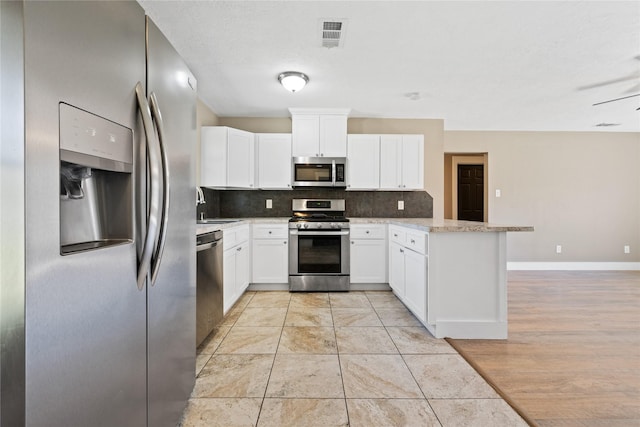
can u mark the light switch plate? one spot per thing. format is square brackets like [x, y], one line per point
[498, 192]
[558, 249]
[269, 204]
[400, 205]
[627, 249]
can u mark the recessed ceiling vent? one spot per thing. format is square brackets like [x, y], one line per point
[333, 32]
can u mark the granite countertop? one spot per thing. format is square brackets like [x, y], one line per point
[423, 224]
[441, 225]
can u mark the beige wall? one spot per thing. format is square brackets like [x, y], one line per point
[258, 124]
[580, 190]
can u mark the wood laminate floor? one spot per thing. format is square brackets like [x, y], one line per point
[573, 353]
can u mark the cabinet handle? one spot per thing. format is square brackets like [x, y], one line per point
[367, 231]
[285, 242]
[239, 249]
[353, 243]
[269, 232]
[401, 251]
[413, 241]
[317, 155]
[395, 235]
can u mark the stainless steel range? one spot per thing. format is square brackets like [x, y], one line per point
[318, 246]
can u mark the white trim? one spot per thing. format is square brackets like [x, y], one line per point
[623, 266]
[469, 329]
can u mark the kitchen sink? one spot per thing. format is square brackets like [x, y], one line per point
[217, 221]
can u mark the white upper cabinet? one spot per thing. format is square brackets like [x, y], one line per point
[319, 133]
[402, 162]
[274, 161]
[227, 157]
[363, 162]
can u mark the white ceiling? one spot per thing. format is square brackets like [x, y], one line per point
[477, 65]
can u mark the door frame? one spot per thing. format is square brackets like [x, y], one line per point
[469, 159]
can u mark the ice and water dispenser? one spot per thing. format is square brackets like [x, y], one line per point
[96, 182]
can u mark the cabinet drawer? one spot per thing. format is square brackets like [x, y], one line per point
[368, 231]
[417, 241]
[234, 236]
[397, 234]
[270, 231]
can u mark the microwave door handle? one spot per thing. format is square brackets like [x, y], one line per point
[162, 232]
[333, 173]
[154, 209]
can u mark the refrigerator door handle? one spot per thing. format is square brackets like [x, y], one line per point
[162, 232]
[154, 170]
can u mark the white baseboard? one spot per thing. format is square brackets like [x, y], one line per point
[621, 266]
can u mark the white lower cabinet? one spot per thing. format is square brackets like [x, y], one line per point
[270, 253]
[408, 269]
[236, 266]
[416, 283]
[368, 253]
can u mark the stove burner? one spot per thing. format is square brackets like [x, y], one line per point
[303, 216]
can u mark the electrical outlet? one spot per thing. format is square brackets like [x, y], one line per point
[498, 192]
[558, 249]
[269, 204]
[627, 249]
[400, 205]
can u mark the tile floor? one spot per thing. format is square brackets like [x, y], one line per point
[335, 359]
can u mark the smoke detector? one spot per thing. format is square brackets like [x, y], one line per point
[332, 32]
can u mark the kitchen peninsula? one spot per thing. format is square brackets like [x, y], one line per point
[450, 274]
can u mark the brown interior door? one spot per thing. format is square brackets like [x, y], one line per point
[471, 192]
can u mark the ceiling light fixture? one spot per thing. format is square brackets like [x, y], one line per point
[293, 81]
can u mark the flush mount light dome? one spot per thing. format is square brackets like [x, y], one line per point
[293, 81]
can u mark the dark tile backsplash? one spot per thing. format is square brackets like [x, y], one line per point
[367, 204]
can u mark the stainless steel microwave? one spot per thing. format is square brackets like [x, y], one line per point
[319, 171]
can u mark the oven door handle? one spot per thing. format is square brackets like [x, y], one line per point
[318, 233]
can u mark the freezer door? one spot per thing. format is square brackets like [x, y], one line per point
[171, 299]
[85, 320]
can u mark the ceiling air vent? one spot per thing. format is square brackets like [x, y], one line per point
[332, 32]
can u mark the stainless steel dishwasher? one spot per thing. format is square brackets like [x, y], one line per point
[209, 283]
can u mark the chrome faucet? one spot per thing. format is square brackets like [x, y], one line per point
[200, 197]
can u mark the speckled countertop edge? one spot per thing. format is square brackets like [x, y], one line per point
[442, 225]
[423, 224]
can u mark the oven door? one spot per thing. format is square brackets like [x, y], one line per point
[318, 252]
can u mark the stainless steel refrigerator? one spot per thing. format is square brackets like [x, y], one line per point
[97, 232]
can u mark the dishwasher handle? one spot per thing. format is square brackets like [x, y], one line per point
[206, 246]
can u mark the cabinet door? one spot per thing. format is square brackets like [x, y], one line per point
[333, 136]
[213, 156]
[229, 294]
[412, 162]
[243, 268]
[240, 159]
[363, 162]
[270, 261]
[368, 261]
[306, 135]
[415, 286]
[396, 269]
[274, 160]
[390, 162]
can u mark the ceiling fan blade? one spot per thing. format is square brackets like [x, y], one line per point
[616, 99]
[632, 76]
